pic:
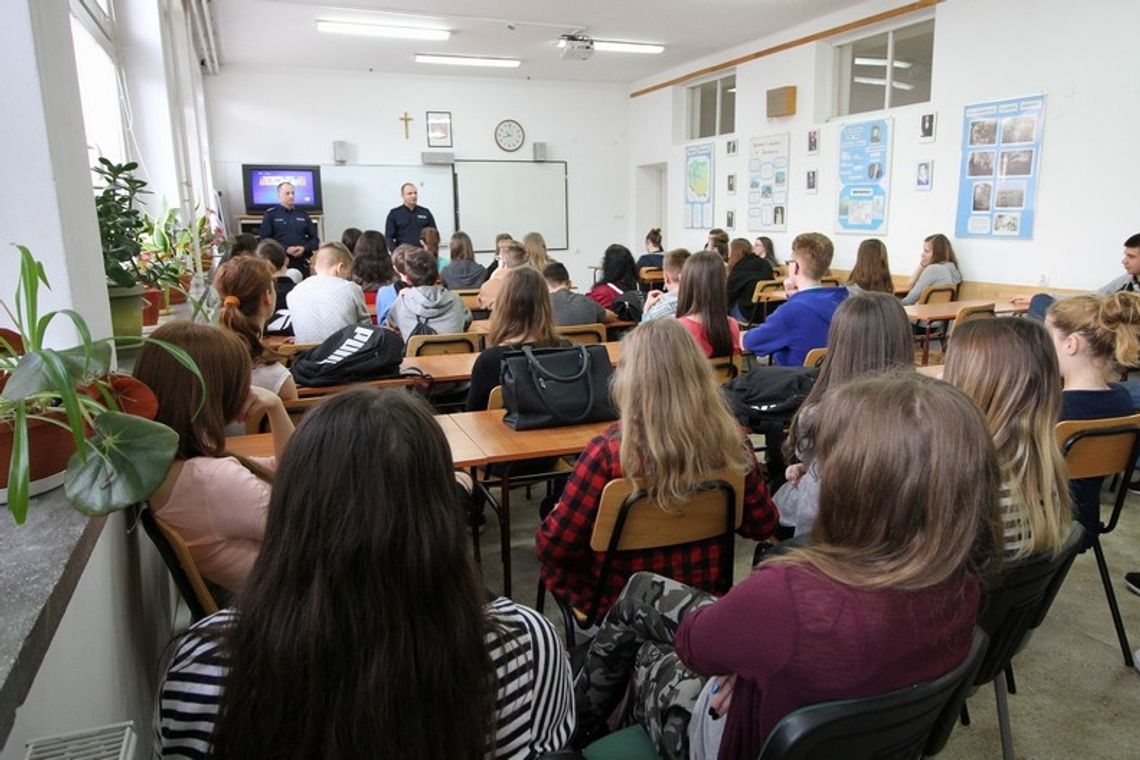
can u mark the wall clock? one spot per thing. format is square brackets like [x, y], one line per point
[509, 135]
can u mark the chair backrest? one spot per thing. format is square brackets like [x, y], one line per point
[939, 294]
[815, 357]
[829, 282]
[650, 275]
[726, 368]
[176, 554]
[445, 343]
[1098, 448]
[971, 313]
[295, 408]
[583, 334]
[495, 398]
[1018, 601]
[765, 286]
[898, 724]
[469, 296]
[628, 520]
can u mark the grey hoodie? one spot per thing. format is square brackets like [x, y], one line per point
[443, 311]
[944, 273]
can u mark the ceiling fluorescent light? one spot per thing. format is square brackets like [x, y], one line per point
[614, 46]
[882, 83]
[380, 30]
[862, 61]
[460, 60]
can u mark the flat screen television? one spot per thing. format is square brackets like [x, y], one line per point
[261, 180]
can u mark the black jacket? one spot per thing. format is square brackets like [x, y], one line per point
[742, 281]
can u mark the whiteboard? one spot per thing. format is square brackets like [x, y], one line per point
[516, 197]
[361, 195]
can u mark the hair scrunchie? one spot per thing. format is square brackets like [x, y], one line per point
[231, 301]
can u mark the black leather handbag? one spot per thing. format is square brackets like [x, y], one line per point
[554, 387]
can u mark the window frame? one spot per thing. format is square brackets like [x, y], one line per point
[841, 89]
[692, 93]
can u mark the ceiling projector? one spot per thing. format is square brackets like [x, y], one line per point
[576, 47]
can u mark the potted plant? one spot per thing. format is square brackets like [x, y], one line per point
[121, 228]
[66, 406]
[165, 249]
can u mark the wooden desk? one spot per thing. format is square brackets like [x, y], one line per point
[483, 326]
[452, 368]
[942, 312]
[464, 452]
[503, 446]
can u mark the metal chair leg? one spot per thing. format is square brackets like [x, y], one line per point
[1102, 565]
[1011, 687]
[965, 714]
[1003, 717]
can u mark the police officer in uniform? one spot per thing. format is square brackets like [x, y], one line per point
[292, 228]
[405, 222]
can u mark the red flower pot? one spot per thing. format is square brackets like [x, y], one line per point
[152, 304]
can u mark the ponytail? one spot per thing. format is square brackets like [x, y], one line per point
[1119, 318]
[242, 282]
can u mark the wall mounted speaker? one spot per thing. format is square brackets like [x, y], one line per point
[782, 101]
[539, 151]
[340, 151]
[437, 157]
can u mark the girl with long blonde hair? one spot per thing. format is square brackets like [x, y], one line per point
[661, 378]
[536, 252]
[1008, 367]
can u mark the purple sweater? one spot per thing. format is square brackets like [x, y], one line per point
[794, 637]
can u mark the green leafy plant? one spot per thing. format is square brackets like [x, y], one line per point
[165, 250]
[121, 223]
[120, 456]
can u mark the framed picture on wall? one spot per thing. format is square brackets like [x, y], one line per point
[439, 129]
[813, 142]
[730, 220]
[730, 147]
[811, 182]
[924, 175]
[732, 184]
[926, 127]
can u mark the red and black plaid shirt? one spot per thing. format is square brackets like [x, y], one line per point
[570, 568]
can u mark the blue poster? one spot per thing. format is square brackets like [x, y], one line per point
[864, 176]
[699, 186]
[1001, 153]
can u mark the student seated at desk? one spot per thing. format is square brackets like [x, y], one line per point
[572, 308]
[885, 597]
[214, 500]
[745, 269]
[702, 308]
[938, 266]
[662, 380]
[1010, 370]
[869, 335]
[464, 272]
[618, 276]
[279, 322]
[372, 270]
[245, 285]
[536, 254]
[802, 323]
[1094, 335]
[365, 630]
[523, 317]
[328, 301]
[654, 256]
[872, 270]
[511, 254]
[424, 303]
[664, 303]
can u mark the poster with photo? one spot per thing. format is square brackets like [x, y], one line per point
[699, 186]
[1001, 155]
[768, 178]
[864, 177]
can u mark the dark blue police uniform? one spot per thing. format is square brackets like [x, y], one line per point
[404, 225]
[291, 227]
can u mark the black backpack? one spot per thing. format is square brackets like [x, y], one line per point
[629, 306]
[767, 395]
[353, 354]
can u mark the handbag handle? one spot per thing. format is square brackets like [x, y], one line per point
[539, 373]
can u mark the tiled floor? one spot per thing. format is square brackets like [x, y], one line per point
[1075, 697]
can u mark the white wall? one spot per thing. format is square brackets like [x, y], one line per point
[1078, 55]
[293, 115]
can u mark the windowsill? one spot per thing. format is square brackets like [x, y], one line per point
[41, 562]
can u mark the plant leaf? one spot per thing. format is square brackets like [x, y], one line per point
[28, 378]
[64, 388]
[18, 471]
[128, 459]
[82, 364]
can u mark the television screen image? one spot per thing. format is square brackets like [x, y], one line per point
[261, 181]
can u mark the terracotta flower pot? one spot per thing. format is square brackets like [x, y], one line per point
[152, 305]
[49, 448]
[178, 295]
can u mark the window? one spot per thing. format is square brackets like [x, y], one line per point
[99, 95]
[885, 70]
[712, 108]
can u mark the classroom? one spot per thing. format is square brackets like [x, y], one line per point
[773, 118]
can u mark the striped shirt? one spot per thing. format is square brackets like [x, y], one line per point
[534, 703]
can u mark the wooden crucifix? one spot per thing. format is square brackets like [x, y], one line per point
[407, 120]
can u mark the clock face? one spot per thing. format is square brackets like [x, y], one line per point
[509, 135]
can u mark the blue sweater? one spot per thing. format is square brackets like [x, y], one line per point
[796, 327]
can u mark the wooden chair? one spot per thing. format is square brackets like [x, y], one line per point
[965, 314]
[934, 294]
[829, 282]
[649, 276]
[495, 398]
[815, 357]
[446, 343]
[628, 520]
[1097, 449]
[759, 302]
[176, 554]
[469, 296]
[726, 368]
[295, 408]
[583, 335]
[289, 351]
